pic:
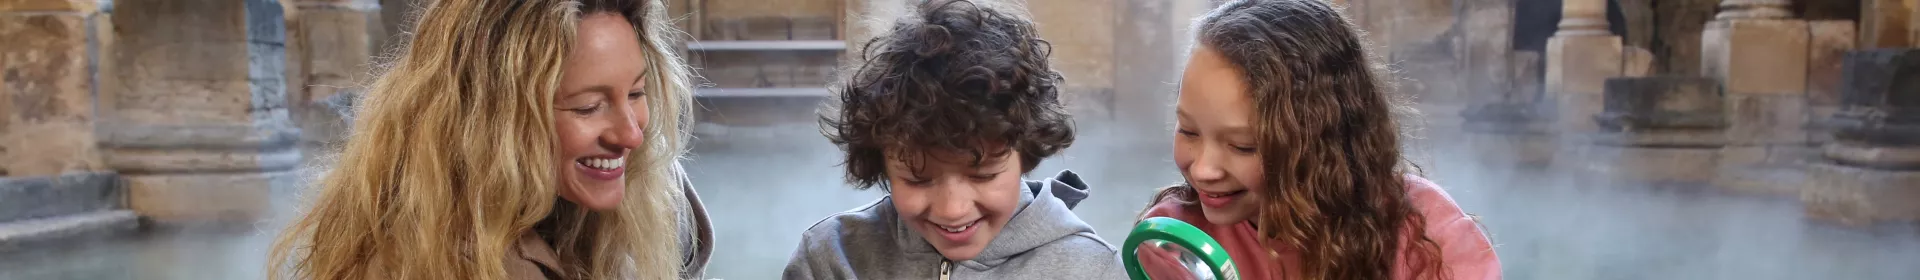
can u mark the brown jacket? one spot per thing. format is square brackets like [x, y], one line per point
[532, 258]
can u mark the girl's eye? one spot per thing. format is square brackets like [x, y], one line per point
[916, 182]
[636, 95]
[1244, 149]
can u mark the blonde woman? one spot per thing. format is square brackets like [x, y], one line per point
[513, 140]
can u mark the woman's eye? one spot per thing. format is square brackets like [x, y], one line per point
[587, 110]
[636, 95]
[1244, 149]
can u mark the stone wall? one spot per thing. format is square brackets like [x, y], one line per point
[46, 93]
[194, 108]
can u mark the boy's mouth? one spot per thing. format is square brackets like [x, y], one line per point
[959, 234]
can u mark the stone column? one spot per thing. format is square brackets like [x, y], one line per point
[334, 54]
[1580, 57]
[1873, 172]
[1886, 24]
[1659, 130]
[1760, 56]
[194, 109]
[46, 94]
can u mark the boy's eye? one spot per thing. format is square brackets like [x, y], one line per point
[916, 181]
[985, 177]
[1187, 133]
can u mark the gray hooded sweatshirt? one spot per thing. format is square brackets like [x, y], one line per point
[1043, 240]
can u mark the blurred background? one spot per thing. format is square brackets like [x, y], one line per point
[1595, 139]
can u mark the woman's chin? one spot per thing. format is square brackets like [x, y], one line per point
[601, 197]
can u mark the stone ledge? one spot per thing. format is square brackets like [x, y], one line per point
[1662, 138]
[1655, 166]
[17, 233]
[1763, 180]
[82, 6]
[1901, 158]
[149, 161]
[1858, 196]
[39, 197]
[196, 136]
[230, 197]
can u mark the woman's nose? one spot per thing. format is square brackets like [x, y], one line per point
[629, 129]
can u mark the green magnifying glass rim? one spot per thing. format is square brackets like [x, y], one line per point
[1179, 233]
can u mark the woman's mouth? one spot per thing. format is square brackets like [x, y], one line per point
[1219, 199]
[959, 234]
[602, 168]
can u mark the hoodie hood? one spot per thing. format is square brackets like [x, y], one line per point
[1043, 240]
[1045, 215]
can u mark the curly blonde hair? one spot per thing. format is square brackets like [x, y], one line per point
[448, 161]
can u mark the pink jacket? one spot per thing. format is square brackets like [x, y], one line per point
[1464, 248]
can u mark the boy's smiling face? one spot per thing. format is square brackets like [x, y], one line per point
[956, 203]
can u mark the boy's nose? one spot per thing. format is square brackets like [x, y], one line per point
[955, 204]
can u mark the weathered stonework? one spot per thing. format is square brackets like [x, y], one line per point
[46, 94]
[1757, 56]
[1660, 130]
[1508, 134]
[1577, 68]
[1873, 169]
[1861, 196]
[330, 52]
[1487, 36]
[1827, 50]
[197, 117]
[1676, 46]
[1885, 24]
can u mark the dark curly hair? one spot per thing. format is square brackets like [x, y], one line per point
[955, 75]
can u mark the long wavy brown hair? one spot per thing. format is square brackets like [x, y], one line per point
[449, 160]
[1325, 129]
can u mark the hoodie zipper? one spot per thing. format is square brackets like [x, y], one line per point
[945, 269]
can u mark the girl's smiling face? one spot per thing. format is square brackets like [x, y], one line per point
[1214, 143]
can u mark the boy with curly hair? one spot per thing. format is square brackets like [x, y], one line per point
[947, 113]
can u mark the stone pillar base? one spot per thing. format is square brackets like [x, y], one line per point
[1757, 56]
[1767, 170]
[208, 197]
[1577, 69]
[1679, 157]
[1860, 196]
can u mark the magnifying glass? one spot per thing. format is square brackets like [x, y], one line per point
[1174, 249]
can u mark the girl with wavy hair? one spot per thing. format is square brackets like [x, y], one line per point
[1287, 139]
[513, 140]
